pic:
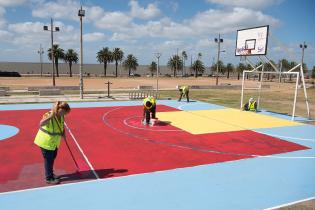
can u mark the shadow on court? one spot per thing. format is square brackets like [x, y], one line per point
[82, 175]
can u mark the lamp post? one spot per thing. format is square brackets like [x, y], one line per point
[41, 52]
[303, 47]
[158, 55]
[52, 30]
[81, 14]
[219, 41]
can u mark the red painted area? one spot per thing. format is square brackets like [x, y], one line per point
[117, 144]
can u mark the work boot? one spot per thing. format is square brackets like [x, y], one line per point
[53, 181]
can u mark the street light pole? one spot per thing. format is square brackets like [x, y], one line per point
[41, 52]
[52, 30]
[218, 57]
[303, 46]
[81, 14]
[158, 55]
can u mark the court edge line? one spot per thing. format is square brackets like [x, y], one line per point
[291, 203]
[80, 149]
[106, 179]
[287, 137]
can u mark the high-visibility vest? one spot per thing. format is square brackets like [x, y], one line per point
[151, 99]
[49, 135]
[251, 106]
[185, 89]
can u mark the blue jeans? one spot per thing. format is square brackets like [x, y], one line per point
[49, 159]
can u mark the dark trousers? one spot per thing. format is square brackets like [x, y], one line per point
[147, 114]
[49, 159]
[182, 94]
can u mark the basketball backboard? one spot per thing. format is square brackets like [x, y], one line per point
[252, 41]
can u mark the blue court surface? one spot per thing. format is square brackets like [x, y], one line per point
[262, 182]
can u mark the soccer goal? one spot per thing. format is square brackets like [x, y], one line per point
[252, 42]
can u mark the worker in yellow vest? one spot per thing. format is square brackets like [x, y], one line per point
[251, 105]
[184, 91]
[149, 107]
[49, 135]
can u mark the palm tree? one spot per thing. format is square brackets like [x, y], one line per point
[175, 63]
[240, 68]
[118, 55]
[184, 58]
[313, 72]
[71, 57]
[153, 68]
[131, 63]
[58, 54]
[104, 56]
[199, 56]
[229, 68]
[198, 67]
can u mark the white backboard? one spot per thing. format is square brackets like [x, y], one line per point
[252, 41]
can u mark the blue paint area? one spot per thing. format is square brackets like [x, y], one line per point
[283, 116]
[248, 184]
[6, 131]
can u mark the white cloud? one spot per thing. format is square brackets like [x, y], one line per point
[150, 12]
[62, 9]
[11, 3]
[116, 21]
[92, 37]
[5, 36]
[253, 4]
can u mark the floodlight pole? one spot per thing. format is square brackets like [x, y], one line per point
[81, 13]
[219, 40]
[52, 30]
[41, 52]
[158, 55]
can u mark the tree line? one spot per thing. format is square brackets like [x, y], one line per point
[177, 63]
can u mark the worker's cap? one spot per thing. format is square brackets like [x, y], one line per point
[251, 99]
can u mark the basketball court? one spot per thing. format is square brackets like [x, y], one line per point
[200, 156]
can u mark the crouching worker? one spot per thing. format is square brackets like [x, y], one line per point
[48, 137]
[184, 91]
[149, 106]
[251, 105]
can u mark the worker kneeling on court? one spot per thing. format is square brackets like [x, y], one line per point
[184, 91]
[149, 110]
[251, 105]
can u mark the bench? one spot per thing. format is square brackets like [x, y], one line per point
[3, 92]
[137, 94]
[49, 92]
[145, 87]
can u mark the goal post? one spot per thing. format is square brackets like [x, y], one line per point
[259, 87]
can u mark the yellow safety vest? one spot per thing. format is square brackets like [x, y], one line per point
[251, 106]
[151, 99]
[49, 135]
[185, 89]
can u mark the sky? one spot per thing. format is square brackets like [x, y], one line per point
[145, 27]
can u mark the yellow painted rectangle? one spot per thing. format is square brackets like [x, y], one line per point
[221, 120]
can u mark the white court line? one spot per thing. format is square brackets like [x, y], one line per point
[286, 137]
[288, 204]
[126, 123]
[85, 157]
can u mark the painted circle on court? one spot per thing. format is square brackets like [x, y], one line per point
[7, 131]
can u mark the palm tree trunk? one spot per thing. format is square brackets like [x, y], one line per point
[238, 76]
[57, 69]
[228, 74]
[196, 73]
[105, 67]
[129, 72]
[116, 68]
[70, 66]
